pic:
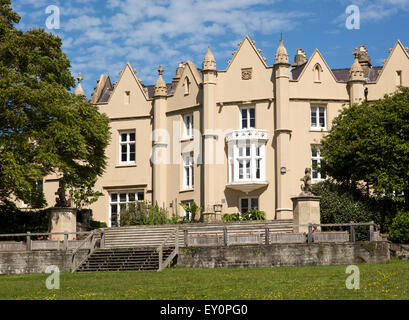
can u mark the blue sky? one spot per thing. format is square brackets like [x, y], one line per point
[100, 36]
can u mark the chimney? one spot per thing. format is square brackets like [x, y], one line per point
[178, 74]
[364, 60]
[300, 58]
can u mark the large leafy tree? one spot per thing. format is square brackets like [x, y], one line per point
[44, 128]
[369, 145]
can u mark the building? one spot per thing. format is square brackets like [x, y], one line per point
[233, 139]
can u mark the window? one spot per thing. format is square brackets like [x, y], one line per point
[317, 72]
[188, 174]
[248, 118]
[318, 118]
[188, 125]
[399, 78]
[127, 147]
[246, 161]
[248, 203]
[186, 213]
[119, 202]
[316, 162]
[127, 97]
[186, 84]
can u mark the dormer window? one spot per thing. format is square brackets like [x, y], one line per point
[127, 97]
[317, 72]
[399, 78]
[186, 84]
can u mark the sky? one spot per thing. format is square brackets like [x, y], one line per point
[101, 36]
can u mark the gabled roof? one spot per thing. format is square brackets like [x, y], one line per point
[340, 75]
[246, 38]
[398, 44]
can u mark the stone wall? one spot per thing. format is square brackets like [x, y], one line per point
[284, 255]
[19, 262]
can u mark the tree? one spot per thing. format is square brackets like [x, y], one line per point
[369, 145]
[44, 128]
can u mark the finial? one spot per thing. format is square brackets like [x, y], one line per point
[281, 37]
[355, 53]
[79, 77]
[79, 91]
[160, 70]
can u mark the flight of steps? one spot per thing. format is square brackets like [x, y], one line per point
[135, 247]
[124, 259]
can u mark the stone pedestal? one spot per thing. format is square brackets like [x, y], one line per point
[306, 210]
[61, 220]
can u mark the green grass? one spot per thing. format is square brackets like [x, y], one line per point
[378, 281]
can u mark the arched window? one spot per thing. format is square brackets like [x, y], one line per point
[186, 84]
[317, 72]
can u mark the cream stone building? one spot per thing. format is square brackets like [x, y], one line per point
[232, 139]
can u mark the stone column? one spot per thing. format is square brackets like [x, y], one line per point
[208, 116]
[61, 220]
[283, 208]
[160, 146]
[306, 209]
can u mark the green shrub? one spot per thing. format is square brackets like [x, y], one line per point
[252, 214]
[143, 213]
[399, 230]
[230, 217]
[13, 220]
[97, 224]
[343, 204]
[257, 214]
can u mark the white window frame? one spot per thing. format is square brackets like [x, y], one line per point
[249, 203]
[317, 159]
[128, 143]
[137, 195]
[248, 118]
[188, 126]
[316, 111]
[189, 203]
[188, 171]
[238, 154]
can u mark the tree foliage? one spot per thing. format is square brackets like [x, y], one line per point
[399, 230]
[44, 128]
[369, 144]
[343, 204]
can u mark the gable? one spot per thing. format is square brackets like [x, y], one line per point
[180, 99]
[128, 98]
[398, 61]
[247, 77]
[323, 85]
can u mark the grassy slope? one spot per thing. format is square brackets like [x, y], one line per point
[380, 281]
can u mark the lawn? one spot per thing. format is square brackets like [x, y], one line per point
[378, 281]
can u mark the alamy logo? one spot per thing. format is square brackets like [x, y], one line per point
[352, 282]
[353, 17]
[53, 21]
[53, 281]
